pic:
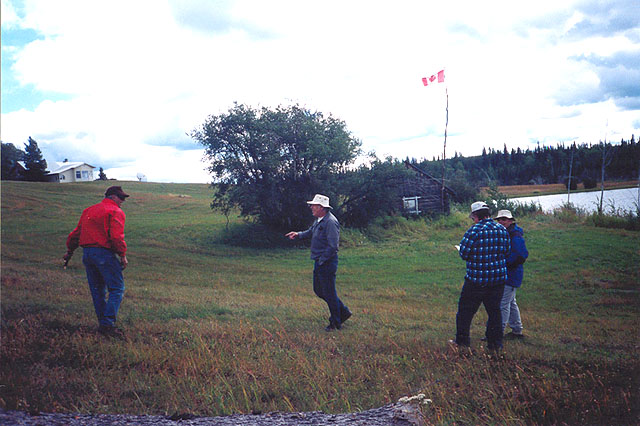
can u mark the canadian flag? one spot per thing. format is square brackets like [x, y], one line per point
[432, 79]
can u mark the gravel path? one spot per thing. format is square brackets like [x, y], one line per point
[399, 414]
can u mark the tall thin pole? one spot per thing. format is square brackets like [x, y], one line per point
[444, 149]
[604, 158]
[569, 181]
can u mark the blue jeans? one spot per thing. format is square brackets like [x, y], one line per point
[324, 286]
[510, 310]
[104, 273]
[471, 297]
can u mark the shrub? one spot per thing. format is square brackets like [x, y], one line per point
[629, 221]
[499, 201]
[569, 213]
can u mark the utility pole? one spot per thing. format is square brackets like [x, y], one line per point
[444, 149]
[569, 181]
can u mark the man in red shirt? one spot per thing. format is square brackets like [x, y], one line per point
[100, 233]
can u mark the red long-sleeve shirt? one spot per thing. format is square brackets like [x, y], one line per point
[101, 225]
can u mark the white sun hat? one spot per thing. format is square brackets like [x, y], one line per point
[321, 200]
[504, 213]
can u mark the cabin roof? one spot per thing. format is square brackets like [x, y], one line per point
[427, 175]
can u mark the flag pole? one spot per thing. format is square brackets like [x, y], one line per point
[444, 149]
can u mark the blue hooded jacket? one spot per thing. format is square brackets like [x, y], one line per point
[516, 257]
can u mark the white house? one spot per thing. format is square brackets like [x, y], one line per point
[71, 172]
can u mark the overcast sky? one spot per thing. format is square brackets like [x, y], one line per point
[120, 84]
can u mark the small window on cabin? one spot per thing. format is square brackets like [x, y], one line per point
[85, 174]
[411, 205]
[78, 174]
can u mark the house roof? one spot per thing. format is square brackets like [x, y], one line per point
[422, 172]
[63, 167]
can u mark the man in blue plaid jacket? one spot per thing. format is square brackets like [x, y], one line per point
[485, 247]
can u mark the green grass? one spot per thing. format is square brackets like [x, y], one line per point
[223, 320]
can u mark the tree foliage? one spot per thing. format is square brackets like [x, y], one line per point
[102, 175]
[269, 162]
[543, 165]
[34, 163]
[10, 156]
[370, 191]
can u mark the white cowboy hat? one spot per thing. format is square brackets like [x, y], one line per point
[504, 213]
[321, 200]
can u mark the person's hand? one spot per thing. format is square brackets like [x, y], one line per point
[292, 235]
[124, 262]
[67, 256]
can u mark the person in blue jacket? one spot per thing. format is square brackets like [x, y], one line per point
[515, 272]
[325, 238]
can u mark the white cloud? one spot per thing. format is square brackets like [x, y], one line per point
[9, 17]
[140, 75]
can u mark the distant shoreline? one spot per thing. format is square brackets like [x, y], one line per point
[518, 191]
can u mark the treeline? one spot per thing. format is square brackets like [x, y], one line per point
[543, 165]
[33, 167]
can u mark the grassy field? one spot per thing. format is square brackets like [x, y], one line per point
[223, 321]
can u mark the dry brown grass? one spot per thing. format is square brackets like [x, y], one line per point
[216, 329]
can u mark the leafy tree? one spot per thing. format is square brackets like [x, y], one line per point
[102, 175]
[35, 164]
[371, 191]
[466, 190]
[269, 162]
[10, 155]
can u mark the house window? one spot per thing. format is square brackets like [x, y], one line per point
[411, 205]
[85, 175]
[78, 174]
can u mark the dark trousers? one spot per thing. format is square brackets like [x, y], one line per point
[324, 286]
[471, 297]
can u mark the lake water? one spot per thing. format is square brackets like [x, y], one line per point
[620, 200]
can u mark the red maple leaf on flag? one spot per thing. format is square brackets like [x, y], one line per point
[439, 77]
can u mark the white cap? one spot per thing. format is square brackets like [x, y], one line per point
[478, 205]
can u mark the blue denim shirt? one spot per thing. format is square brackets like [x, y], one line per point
[325, 237]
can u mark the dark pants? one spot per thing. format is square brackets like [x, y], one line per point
[104, 274]
[324, 286]
[471, 297]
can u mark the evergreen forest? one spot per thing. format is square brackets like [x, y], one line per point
[543, 165]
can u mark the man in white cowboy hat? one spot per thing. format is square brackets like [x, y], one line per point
[515, 273]
[484, 247]
[325, 237]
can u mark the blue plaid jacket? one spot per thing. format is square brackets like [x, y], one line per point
[485, 247]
